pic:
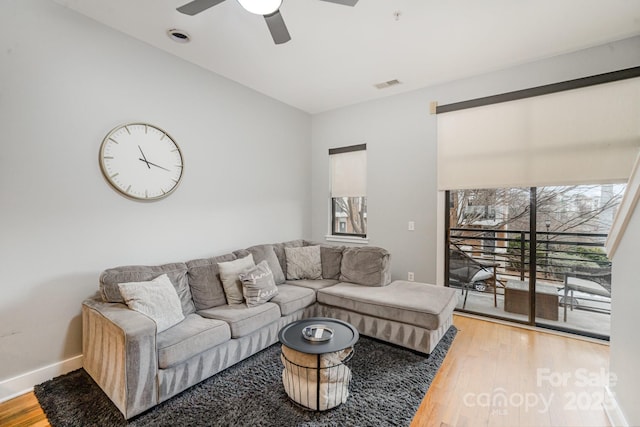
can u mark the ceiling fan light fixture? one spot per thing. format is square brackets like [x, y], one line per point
[261, 7]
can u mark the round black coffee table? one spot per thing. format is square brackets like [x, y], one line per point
[344, 336]
[326, 372]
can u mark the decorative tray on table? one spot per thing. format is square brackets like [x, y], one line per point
[317, 333]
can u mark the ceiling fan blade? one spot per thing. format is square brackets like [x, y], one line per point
[343, 2]
[197, 6]
[277, 27]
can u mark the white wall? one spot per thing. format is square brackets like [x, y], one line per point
[625, 318]
[65, 81]
[401, 145]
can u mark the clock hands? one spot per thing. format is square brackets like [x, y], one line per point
[144, 158]
[153, 164]
[149, 164]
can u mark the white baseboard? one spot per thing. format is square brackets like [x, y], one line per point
[613, 411]
[16, 386]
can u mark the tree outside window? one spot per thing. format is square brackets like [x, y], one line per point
[350, 215]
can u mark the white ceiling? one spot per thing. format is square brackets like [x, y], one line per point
[337, 53]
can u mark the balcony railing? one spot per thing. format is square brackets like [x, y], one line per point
[555, 255]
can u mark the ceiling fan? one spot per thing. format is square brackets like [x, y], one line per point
[270, 9]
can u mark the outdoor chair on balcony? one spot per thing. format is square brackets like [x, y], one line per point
[468, 271]
[592, 285]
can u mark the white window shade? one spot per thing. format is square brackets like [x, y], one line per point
[579, 136]
[349, 174]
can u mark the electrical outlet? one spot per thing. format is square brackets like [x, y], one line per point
[410, 276]
[412, 225]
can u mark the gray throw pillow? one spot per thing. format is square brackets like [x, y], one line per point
[156, 299]
[258, 285]
[303, 263]
[266, 253]
[229, 272]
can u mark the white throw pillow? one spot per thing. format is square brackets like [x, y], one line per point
[156, 299]
[229, 277]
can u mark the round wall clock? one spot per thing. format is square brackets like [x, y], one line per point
[141, 161]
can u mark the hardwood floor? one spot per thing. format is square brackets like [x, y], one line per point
[493, 375]
[498, 375]
[22, 411]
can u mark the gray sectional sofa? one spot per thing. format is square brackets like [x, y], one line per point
[137, 367]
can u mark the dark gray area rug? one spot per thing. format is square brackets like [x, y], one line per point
[388, 385]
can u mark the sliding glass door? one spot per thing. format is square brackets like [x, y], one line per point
[505, 243]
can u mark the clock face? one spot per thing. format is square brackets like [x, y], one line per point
[141, 161]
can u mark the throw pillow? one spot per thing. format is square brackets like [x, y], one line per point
[258, 285]
[278, 248]
[229, 277]
[156, 299]
[303, 263]
[177, 272]
[267, 253]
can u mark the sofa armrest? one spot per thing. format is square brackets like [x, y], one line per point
[119, 348]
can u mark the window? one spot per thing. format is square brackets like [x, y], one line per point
[349, 190]
[473, 213]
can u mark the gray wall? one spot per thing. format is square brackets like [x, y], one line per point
[401, 145]
[625, 318]
[65, 81]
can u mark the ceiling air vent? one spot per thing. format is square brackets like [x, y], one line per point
[387, 84]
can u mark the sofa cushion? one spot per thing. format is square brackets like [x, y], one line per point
[265, 253]
[231, 283]
[204, 281]
[303, 263]
[177, 273]
[419, 304]
[156, 299]
[243, 320]
[312, 284]
[188, 338]
[258, 285]
[331, 258]
[293, 298]
[367, 266]
[278, 248]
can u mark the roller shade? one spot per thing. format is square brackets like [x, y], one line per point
[349, 172]
[579, 136]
